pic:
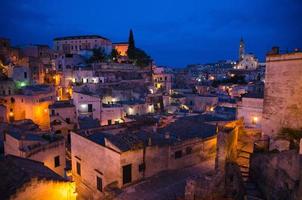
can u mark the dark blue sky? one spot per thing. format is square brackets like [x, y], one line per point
[173, 32]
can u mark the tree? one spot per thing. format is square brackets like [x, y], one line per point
[136, 55]
[98, 55]
[131, 45]
[114, 54]
[141, 58]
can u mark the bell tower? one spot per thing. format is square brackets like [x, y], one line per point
[241, 49]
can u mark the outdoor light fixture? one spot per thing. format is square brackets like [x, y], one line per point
[83, 106]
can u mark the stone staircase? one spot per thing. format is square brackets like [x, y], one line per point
[244, 152]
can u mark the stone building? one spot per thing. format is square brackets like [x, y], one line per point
[36, 145]
[246, 61]
[31, 103]
[283, 92]
[76, 44]
[251, 108]
[63, 118]
[162, 81]
[28, 179]
[121, 48]
[134, 151]
[7, 86]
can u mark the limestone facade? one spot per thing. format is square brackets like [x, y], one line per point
[283, 93]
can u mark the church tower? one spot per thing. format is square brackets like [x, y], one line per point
[241, 49]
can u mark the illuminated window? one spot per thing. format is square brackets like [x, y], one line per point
[254, 120]
[57, 161]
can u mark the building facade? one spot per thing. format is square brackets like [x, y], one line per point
[76, 44]
[282, 93]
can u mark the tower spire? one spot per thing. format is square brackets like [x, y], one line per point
[241, 49]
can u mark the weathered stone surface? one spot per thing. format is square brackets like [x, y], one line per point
[278, 175]
[283, 93]
[280, 145]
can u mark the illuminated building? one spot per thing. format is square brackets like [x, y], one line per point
[44, 147]
[283, 92]
[121, 48]
[162, 81]
[251, 108]
[75, 44]
[32, 103]
[246, 61]
[63, 118]
[133, 153]
[28, 179]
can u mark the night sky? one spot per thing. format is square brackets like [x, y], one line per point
[174, 32]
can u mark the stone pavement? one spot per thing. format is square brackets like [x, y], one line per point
[167, 185]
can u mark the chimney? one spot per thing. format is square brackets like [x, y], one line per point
[275, 50]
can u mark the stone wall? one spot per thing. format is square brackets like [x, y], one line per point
[45, 189]
[283, 93]
[278, 175]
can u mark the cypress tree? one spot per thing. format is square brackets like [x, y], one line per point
[131, 47]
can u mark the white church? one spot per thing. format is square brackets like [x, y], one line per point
[246, 61]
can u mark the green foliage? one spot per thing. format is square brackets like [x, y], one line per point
[114, 55]
[98, 55]
[140, 58]
[131, 47]
[292, 135]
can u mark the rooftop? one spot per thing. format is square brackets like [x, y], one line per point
[61, 104]
[130, 138]
[30, 89]
[117, 43]
[88, 123]
[16, 171]
[256, 95]
[78, 37]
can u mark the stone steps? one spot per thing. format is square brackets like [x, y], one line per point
[243, 160]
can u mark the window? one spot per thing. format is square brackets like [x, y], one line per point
[177, 154]
[68, 138]
[78, 168]
[99, 183]
[52, 112]
[57, 161]
[109, 122]
[188, 150]
[89, 107]
[141, 167]
[68, 120]
[25, 74]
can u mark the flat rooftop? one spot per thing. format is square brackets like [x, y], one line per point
[61, 104]
[79, 37]
[129, 138]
